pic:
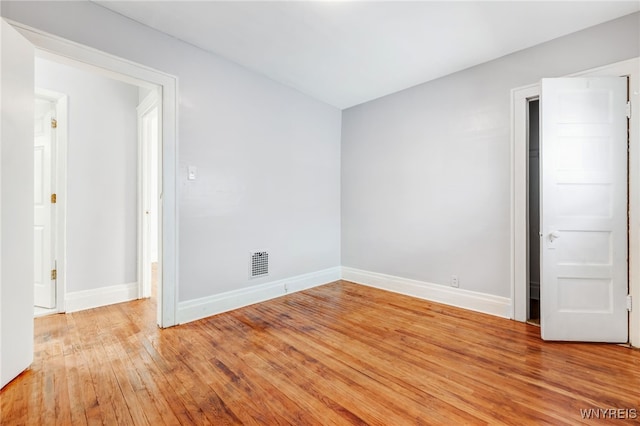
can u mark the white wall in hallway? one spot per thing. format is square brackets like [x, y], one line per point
[101, 175]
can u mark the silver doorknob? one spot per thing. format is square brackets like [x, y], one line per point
[554, 236]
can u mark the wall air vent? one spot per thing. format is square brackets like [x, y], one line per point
[259, 264]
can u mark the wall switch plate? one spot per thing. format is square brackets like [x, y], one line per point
[454, 281]
[192, 172]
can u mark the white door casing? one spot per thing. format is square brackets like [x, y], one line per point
[44, 209]
[48, 45]
[584, 273]
[16, 203]
[16, 182]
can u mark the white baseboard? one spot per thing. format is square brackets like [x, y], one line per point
[103, 296]
[480, 302]
[196, 309]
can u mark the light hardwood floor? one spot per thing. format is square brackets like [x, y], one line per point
[336, 354]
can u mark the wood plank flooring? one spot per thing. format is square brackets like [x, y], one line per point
[333, 355]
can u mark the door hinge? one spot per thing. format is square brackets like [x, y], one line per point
[628, 109]
[629, 305]
[54, 198]
[54, 123]
[54, 274]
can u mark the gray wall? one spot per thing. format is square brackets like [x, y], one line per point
[268, 157]
[426, 171]
[102, 164]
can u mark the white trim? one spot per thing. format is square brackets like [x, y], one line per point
[192, 310]
[103, 296]
[122, 69]
[519, 189]
[519, 97]
[60, 188]
[634, 206]
[475, 301]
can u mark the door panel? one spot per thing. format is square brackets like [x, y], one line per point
[584, 209]
[16, 203]
[44, 286]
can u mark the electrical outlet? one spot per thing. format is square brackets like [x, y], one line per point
[454, 281]
[286, 288]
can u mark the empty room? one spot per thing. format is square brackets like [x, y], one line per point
[319, 212]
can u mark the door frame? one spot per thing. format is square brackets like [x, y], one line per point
[519, 169]
[61, 102]
[54, 47]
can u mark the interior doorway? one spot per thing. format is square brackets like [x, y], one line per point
[533, 213]
[44, 206]
[113, 179]
[521, 97]
[149, 112]
[50, 145]
[20, 46]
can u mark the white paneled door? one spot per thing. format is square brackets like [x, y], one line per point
[44, 148]
[584, 209]
[16, 203]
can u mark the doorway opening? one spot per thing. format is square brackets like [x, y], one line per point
[533, 213]
[113, 180]
[149, 113]
[520, 249]
[20, 46]
[50, 147]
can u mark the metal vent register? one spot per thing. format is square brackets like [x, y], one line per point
[259, 264]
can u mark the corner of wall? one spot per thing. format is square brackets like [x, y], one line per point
[474, 301]
[192, 310]
[97, 297]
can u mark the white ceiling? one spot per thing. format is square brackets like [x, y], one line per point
[348, 52]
